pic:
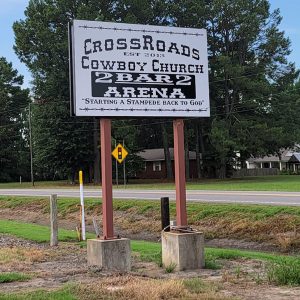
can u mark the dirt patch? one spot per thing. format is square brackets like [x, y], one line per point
[53, 267]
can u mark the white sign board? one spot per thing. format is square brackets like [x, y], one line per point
[126, 70]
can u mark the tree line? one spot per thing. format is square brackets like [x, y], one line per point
[254, 89]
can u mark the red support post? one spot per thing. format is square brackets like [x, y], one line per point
[179, 162]
[106, 168]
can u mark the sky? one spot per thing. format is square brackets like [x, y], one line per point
[13, 10]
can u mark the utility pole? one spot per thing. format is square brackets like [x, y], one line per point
[124, 168]
[30, 146]
[117, 175]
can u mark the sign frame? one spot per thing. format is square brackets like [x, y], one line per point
[172, 31]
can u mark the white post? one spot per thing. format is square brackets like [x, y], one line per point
[280, 166]
[82, 206]
[270, 165]
[53, 220]
[261, 165]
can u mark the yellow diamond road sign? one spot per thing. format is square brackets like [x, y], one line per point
[119, 153]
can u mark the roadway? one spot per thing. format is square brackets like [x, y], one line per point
[242, 197]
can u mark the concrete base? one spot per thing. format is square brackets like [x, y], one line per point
[112, 255]
[183, 250]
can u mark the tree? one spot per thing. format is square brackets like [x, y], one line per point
[249, 77]
[248, 63]
[62, 144]
[14, 152]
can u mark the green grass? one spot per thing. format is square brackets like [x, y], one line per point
[196, 211]
[62, 294]
[282, 269]
[13, 276]
[288, 183]
[240, 221]
[149, 251]
[197, 286]
[34, 232]
[284, 272]
[37, 184]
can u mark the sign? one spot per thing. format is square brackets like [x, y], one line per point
[119, 153]
[126, 70]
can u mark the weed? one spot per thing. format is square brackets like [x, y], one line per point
[237, 272]
[257, 278]
[170, 268]
[11, 277]
[284, 272]
[62, 294]
[197, 286]
[16, 255]
[211, 264]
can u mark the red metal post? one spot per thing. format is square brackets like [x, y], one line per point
[106, 168]
[179, 162]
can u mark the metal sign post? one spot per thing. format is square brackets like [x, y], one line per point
[117, 173]
[124, 168]
[106, 166]
[179, 162]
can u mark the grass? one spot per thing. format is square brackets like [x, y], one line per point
[287, 183]
[196, 211]
[170, 268]
[62, 294]
[12, 256]
[34, 232]
[149, 251]
[126, 287]
[282, 269]
[283, 272]
[279, 225]
[13, 276]
[197, 286]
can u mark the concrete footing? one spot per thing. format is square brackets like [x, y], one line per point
[185, 251]
[114, 255]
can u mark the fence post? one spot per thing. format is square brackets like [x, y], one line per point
[165, 214]
[53, 220]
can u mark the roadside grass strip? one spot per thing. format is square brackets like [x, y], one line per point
[196, 211]
[281, 269]
[286, 183]
[6, 277]
[275, 225]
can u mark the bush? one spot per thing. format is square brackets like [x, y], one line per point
[284, 272]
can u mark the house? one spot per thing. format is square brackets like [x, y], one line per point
[294, 162]
[289, 160]
[155, 164]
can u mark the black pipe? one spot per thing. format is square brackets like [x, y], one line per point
[165, 213]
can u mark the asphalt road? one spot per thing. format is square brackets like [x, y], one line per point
[245, 197]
